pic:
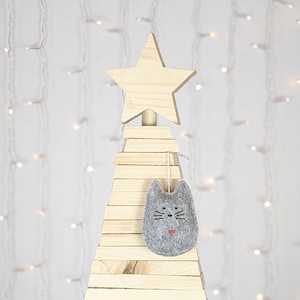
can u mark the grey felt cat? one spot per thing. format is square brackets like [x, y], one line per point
[170, 225]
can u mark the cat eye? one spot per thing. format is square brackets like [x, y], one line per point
[176, 207]
[163, 208]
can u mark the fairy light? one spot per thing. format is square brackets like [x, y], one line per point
[259, 149]
[10, 111]
[90, 169]
[282, 99]
[6, 49]
[241, 122]
[110, 84]
[216, 292]
[284, 3]
[298, 81]
[260, 297]
[2, 218]
[34, 47]
[186, 134]
[257, 252]
[141, 19]
[77, 126]
[75, 71]
[33, 102]
[198, 86]
[267, 204]
[244, 16]
[19, 164]
[210, 34]
[224, 69]
[258, 46]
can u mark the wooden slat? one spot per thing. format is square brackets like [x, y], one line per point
[149, 132]
[128, 198]
[134, 212]
[139, 185]
[144, 159]
[123, 239]
[151, 145]
[147, 172]
[137, 281]
[140, 253]
[122, 226]
[189, 268]
[135, 294]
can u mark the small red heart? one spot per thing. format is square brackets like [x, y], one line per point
[171, 232]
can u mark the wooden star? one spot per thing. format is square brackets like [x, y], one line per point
[150, 85]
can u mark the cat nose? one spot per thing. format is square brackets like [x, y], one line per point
[169, 215]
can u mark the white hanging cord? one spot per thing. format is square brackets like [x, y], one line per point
[169, 172]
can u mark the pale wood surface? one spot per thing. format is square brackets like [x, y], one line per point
[188, 268]
[134, 281]
[149, 132]
[149, 118]
[136, 294]
[140, 253]
[145, 159]
[124, 239]
[130, 212]
[139, 185]
[122, 226]
[150, 85]
[150, 145]
[146, 172]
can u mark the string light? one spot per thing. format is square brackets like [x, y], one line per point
[2, 218]
[260, 297]
[79, 124]
[257, 149]
[257, 252]
[207, 34]
[90, 168]
[198, 86]
[6, 49]
[267, 204]
[110, 84]
[216, 292]
[10, 111]
[224, 69]
[282, 99]
[97, 22]
[244, 16]
[258, 46]
[33, 102]
[298, 81]
[141, 19]
[75, 71]
[287, 4]
[298, 22]
[186, 134]
[41, 212]
[19, 164]
[241, 122]
[32, 47]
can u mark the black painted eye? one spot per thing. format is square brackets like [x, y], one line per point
[163, 208]
[176, 207]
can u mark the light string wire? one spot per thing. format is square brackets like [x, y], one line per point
[195, 110]
[226, 279]
[84, 150]
[269, 242]
[11, 167]
[43, 144]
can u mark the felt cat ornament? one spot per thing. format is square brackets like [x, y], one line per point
[170, 225]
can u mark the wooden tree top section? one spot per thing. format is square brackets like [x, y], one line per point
[150, 85]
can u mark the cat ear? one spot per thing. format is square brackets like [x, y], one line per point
[156, 187]
[182, 186]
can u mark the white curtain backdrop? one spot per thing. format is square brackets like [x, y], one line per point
[60, 129]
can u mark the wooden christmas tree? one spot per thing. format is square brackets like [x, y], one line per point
[124, 268]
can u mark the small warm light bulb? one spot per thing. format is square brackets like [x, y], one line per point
[139, 19]
[73, 226]
[5, 49]
[287, 99]
[198, 86]
[31, 267]
[267, 204]
[186, 134]
[216, 292]
[298, 21]
[2, 218]
[257, 252]
[98, 22]
[212, 34]
[76, 126]
[210, 180]
[224, 69]
[260, 297]
[255, 46]
[298, 81]
[10, 111]
[41, 212]
[248, 17]
[290, 5]
[90, 168]
[19, 164]
[253, 148]
[68, 280]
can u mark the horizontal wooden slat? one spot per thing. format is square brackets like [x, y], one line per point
[150, 159]
[139, 185]
[135, 294]
[151, 145]
[140, 253]
[134, 212]
[134, 281]
[123, 239]
[122, 226]
[147, 172]
[189, 268]
[149, 132]
[128, 197]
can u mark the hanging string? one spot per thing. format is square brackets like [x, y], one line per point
[11, 164]
[169, 172]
